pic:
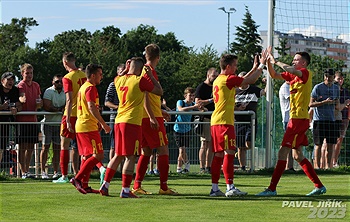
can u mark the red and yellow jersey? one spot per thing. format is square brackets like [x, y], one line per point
[72, 82]
[155, 100]
[130, 90]
[224, 99]
[300, 91]
[86, 122]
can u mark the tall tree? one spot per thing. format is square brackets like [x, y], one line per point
[247, 42]
[283, 48]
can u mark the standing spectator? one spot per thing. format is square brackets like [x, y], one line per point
[28, 133]
[182, 131]
[88, 125]
[325, 99]
[295, 136]
[71, 85]
[153, 132]
[204, 97]
[246, 99]
[112, 102]
[128, 134]
[9, 101]
[344, 107]
[54, 100]
[222, 122]
[284, 95]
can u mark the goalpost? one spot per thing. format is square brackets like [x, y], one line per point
[320, 27]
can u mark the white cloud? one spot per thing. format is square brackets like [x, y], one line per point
[311, 31]
[345, 37]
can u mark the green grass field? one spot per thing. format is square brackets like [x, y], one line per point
[38, 200]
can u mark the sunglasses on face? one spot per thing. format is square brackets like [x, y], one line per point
[58, 81]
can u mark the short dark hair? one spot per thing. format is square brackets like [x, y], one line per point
[227, 59]
[92, 69]
[68, 57]
[305, 56]
[329, 72]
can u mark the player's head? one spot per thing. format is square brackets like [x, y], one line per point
[94, 73]
[136, 65]
[152, 52]
[301, 59]
[228, 62]
[68, 59]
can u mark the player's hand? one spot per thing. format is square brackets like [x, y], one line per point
[154, 123]
[69, 127]
[106, 128]
[166, 116]
[148, 70]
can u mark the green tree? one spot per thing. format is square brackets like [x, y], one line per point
[247, 42]
[283, 46]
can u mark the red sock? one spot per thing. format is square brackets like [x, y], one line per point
[227, 168]
[141, 169]
[126, 180]
[310, 172]
[163, 168]
[87, 167]
[85, 180]
[64, 160]
[109, 174]
[99, 165]
[277, 173]
[215, 169]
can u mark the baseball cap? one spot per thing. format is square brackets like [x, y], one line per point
[7, 75]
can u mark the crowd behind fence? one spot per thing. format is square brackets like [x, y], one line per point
[255, 157]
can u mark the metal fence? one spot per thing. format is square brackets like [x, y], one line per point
[255, 157]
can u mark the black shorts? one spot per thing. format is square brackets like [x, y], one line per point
[325, 130]
[243, 134]
[182, 139]
[28, 133]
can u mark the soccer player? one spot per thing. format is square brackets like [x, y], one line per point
[128, 135]
[153, 132]
[71, 84]
[300, 80]
[222, 121]
[89, 121]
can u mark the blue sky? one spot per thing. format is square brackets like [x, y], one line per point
[195, 22]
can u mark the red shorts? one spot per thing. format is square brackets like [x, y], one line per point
[64, 131]
[295, 133]
[127, 139]
[89, 143]
[223, 137]
[153, 138]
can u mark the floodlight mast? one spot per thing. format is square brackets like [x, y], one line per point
[231, 10]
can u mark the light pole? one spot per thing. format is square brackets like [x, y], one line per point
[231, 10]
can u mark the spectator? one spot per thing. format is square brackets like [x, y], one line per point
[204, 97]
[295, 135]
[112, 102]
[182, 131]
[54, 100]
[88, 125]
[246, 99]
[344, 107]
[325, 99]
[284, 95]
[128, 131]
[153, 132]
[222, 121]
[28, 133]
[9, 101]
